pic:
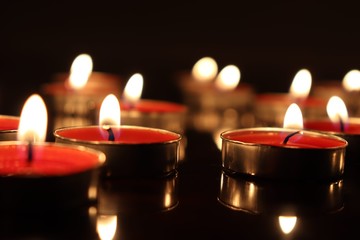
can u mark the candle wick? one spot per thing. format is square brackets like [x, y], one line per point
[342, 128]
[110, 132]
[289, 136]
[30, 152]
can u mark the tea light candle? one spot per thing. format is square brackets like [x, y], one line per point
[283, 153]
[8, 127]
[74, 96]
[210, 96]
[150, 113]
[37, 176]
[270, 107]
[340, 125]
[348, 90]
[130, 150]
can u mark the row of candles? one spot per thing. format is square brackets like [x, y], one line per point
[147, 137]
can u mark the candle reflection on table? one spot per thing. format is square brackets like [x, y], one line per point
[257, 196]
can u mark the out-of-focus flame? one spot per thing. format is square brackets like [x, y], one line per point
[351, 81]
[336, 110]
[301, 84]
[106, 226]
[293, 117]
[133, 89]
[205, 69]
[80, 71]
[287, 223]
[228, 78]
[33, 120]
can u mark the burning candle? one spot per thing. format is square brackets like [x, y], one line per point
[8, 127]
[130, 150]
[348, 90]
[38, 176]
[283, 153]
[270, 107]
[74, 96]
[150, 113]
[340, 125]
[216, 100]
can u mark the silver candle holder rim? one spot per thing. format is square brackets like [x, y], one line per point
[111, 143]
[278, 129]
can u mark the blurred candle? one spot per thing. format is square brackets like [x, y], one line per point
[73, 97]
[210, 95]
[270, 107]
[8, 127]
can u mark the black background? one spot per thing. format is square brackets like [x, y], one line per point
[269, 41]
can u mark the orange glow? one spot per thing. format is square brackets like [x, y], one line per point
[80, 71]
[205, 69]
[133, 89]
[228, 78]
[301, 85]
[33, 120]
[293, 117]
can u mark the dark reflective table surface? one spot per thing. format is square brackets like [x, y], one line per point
[200, 201]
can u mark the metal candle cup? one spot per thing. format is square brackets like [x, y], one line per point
[351, 134]
[137, 151]
[263, 197]
[261, 152]
[8, 127]
[56, 178]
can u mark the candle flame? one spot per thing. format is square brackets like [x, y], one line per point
[33, 120]
[351, 81]
[336, 110]
[133, 89]
[287, 223]
[110, 111]
[80, 71]
[301, 84]
[205, 69]
[228, 78]
[293, 117]
[106, 226]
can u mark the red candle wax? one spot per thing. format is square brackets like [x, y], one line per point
[148, 106]
[8, 123]
[48, 160]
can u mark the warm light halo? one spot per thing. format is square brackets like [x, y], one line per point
[351, 81]
[33, 120]
[301, 84]
[106, 226]
[80, 71]
[110, 111]
[133, 89]
[228, 78]
[287, 223]
[293, 117]
[205, 69]
[336, 110]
